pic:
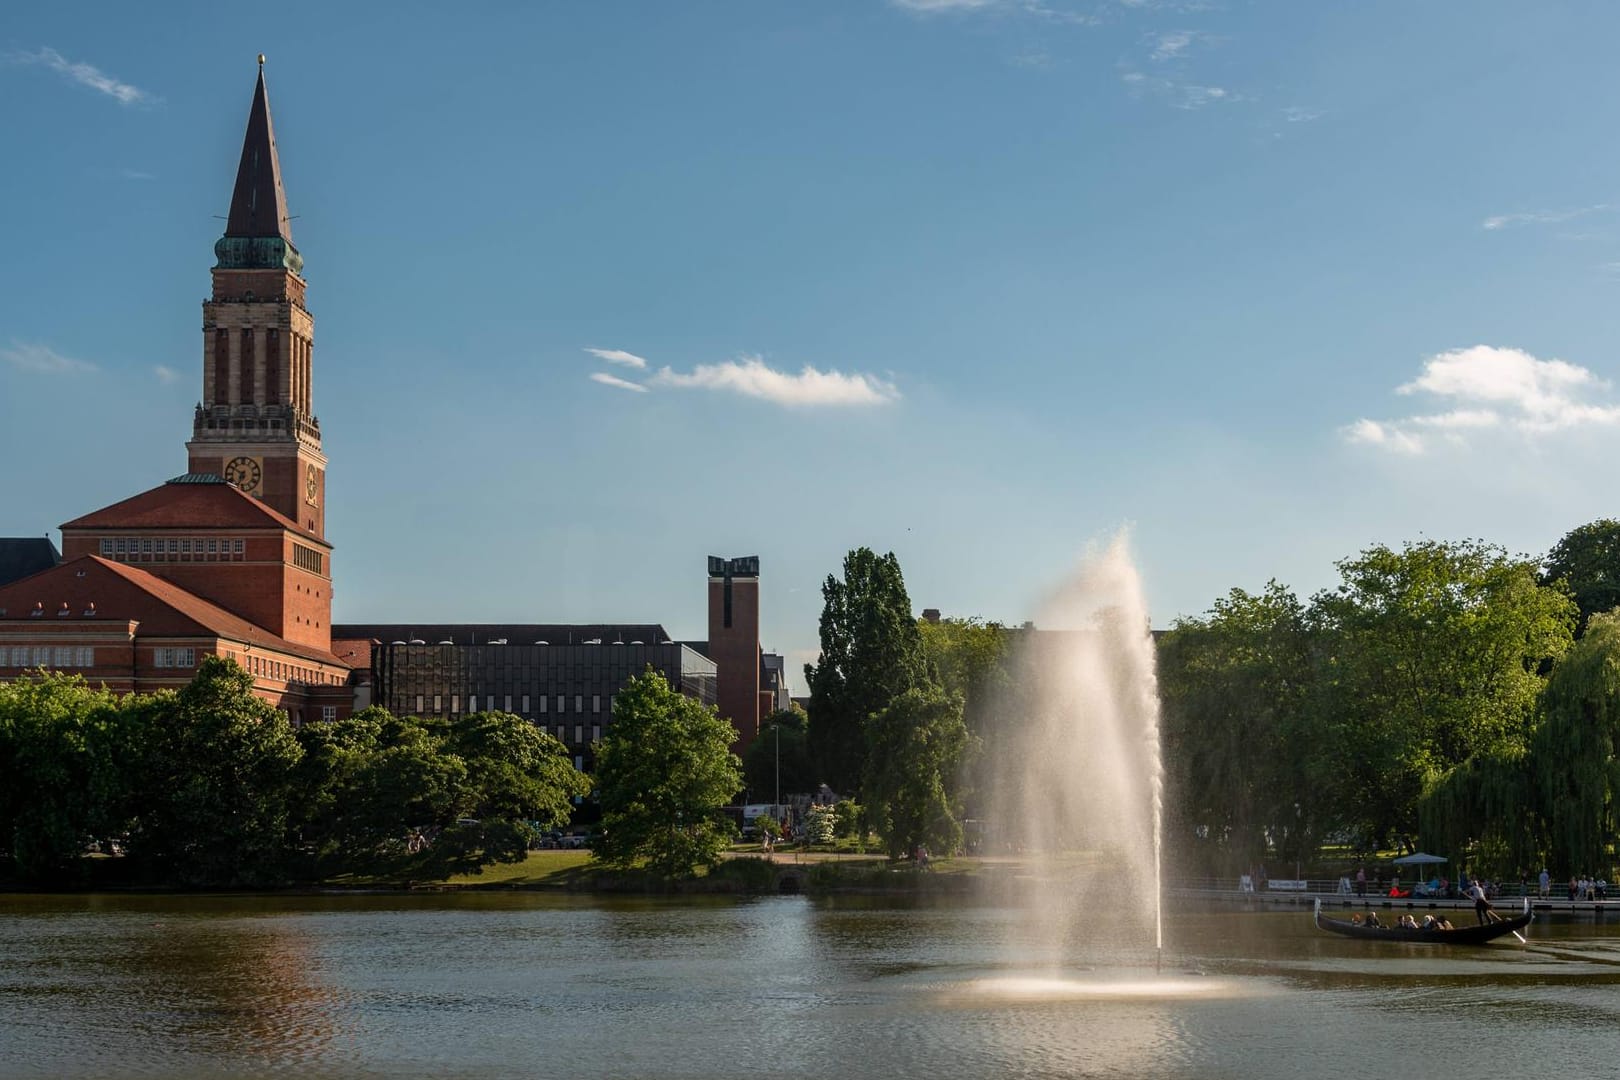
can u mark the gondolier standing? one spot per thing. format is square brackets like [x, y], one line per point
[1482, 907]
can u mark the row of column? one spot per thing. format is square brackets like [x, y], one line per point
[261, 352]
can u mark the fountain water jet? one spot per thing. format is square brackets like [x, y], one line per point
[1075, 783]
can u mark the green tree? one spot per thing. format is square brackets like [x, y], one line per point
[970, 658]
[63, 779]
[871, 653]
[1240, 746]
[367, 784]
[664, 773]
[475, 787]
[915, 749]
[783, 741]
[1428, 655]
[216, 784]
[1575, 754]
[1587, 561]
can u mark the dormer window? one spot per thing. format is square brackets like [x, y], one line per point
[64, 612]
[90, 611]
[39, 609]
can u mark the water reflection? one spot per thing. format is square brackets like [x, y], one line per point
[525, 984]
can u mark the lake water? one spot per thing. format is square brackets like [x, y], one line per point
[529, 984]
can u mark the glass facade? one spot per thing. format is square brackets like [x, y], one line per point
[409, 674]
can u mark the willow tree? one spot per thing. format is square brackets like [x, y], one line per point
[1576, 773]
[1482, 811]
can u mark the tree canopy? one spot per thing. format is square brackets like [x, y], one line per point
[211, 786]
[664, 773]
[914, 750]
[1587, 562]
[782, 747]
[871, 653]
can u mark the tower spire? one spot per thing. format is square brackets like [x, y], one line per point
[258, 202]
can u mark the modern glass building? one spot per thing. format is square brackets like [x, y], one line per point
[561, 677]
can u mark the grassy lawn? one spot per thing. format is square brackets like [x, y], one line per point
[540, 868]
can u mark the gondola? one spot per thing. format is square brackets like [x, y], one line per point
[1462, 935]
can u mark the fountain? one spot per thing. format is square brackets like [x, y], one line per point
[1073, 777]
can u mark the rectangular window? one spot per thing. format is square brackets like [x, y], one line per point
[86, 657]
[472, 702]
[63, 656]
[455, 703]
[579, 703]
[174, 658]
[107, 546]
[42, 655]
[525, 704]
[596, 733]
[236, 546]
[19, 656]
[185, 546]
[543, 700]
[329, 713]
[560, 705]
[508, 705]
[596, 703]
[121, 545]
[438, 703]
[418, 704]
[579, 734]
[146, 547]
[174, 546]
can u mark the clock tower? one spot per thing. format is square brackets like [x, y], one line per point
[255, 426]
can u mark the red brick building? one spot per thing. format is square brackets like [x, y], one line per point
[231, 558]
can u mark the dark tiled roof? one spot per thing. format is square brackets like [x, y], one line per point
[124, 593]
[258, 204]
[21, 556]
[189, 502]
[514, 633]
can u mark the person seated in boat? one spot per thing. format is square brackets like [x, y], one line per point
[1408, 923]
[1372, 920]
[1429, 923]
[1355, 920]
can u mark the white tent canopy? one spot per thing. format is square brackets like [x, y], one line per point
[1419, 859]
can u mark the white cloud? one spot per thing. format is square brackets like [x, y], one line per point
[932, 6]
[613, 380]
[166, 375]
[1540, 217]
[42, 360]
[85, 75]
[751, 377]
[136, 174]
[1297, 114]
[619, 356]
[1036, 8]
[1178, 95]
[1172, 45]
[1490, 387]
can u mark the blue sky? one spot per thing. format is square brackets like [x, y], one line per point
[978, 281]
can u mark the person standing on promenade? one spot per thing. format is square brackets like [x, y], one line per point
[1361, 881]
[1545, 882]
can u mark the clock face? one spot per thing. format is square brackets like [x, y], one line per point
[245, 473]
[312, 484]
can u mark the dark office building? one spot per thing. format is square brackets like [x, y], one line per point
[561, 677]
